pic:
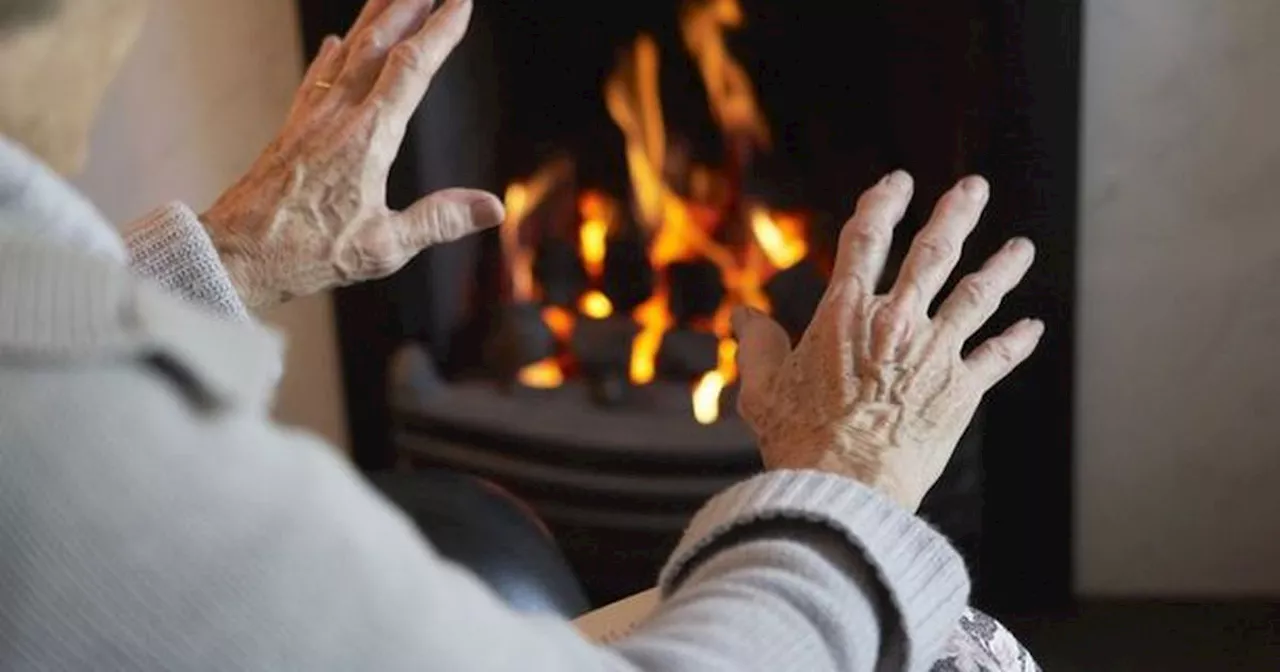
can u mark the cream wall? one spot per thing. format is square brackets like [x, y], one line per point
[1178, 475]
[204, 91]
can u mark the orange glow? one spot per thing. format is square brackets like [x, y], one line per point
[543, 375]
[681, 208]
[597, 215]
[559, 321]
[706, 397]
[654, 319]
[730, 94]
[591, 242]
[780, 237]
[595, 304]
[521, 199]
[632, 98]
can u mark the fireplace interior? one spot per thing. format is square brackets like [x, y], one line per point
[664, 162]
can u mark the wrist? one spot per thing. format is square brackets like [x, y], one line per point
[234, 251]
[842, 454]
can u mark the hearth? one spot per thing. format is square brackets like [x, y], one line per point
[664, 162]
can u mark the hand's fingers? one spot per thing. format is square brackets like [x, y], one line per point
[369, 48]
[411, 64]
[372, 10]
[936, 248]
[446, 215]
[996, 358]
[762, 347]
[319, 74]
[976, 297]
[866, 237]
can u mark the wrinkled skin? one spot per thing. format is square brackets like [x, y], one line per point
[877, 389]
[311, 213]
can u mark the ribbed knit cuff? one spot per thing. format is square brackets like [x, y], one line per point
[171, 247]
[922, 574]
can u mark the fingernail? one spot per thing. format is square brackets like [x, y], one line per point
[1020, 243]
[898, 179]
[487, 210]
[1036, 325]
[975, 186]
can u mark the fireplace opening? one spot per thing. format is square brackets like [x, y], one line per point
[618, 291]
[663, 162]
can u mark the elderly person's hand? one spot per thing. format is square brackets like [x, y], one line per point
[311, 213]
[877, 389]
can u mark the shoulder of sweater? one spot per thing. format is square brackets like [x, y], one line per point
[63, 306]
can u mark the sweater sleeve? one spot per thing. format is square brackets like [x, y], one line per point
[184, 540]
[171, 247]
[865, 584]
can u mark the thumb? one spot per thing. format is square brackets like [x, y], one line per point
[448, 215]
[762, 347]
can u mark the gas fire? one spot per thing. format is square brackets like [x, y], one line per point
[682, 217]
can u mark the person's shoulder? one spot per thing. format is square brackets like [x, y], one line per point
[66, 315]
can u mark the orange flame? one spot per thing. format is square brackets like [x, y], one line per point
[559, 321]
[521, 199]
[780, 237]
[706, 397]
[730, 94]
[597, 213]
[596, 305]
[679, 228]
[632, 98]
[543, 375]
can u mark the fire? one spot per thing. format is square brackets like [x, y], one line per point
[559, 321]
[678, 226]
[780, 237]
[706, 397]
[730, 94]
[542, 375]
[595, 304]
[593, 235]
[521, 199]
[654, 319]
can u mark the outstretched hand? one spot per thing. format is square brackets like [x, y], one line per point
[877, 389]
[311, 213]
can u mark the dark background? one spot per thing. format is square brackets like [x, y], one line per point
[851, 90]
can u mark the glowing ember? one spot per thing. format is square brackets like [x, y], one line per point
[595, 304]
[542, 375]
[559, 321]
[594, 232]
[706, 397]
[781, 238]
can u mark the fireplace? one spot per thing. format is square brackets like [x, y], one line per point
[663, 162]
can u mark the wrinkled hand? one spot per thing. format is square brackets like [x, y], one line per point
[878, 390]
[311, 213]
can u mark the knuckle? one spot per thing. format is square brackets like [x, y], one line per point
[1002, 351]
[862, 234]
[890, 319]
[411, 58]
[935, 249]
[371, 42]
[976, 290]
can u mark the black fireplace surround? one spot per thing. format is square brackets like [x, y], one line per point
[851, 91]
